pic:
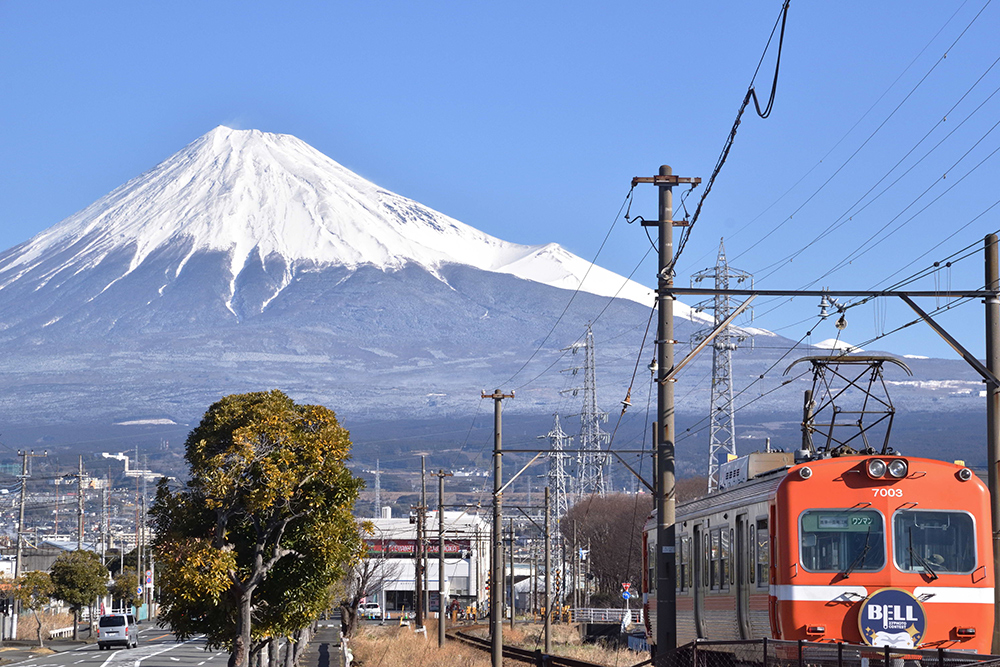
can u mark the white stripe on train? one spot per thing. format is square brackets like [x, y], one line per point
[926, 594]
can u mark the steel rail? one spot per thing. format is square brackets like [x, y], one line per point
[513, 652]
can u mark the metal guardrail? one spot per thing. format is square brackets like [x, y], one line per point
[605, 615]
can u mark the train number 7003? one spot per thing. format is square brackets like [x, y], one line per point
[887, 493]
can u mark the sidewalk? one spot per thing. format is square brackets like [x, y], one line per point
[324, 647]
[22, 649]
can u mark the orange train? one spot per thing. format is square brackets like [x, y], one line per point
[877, 550]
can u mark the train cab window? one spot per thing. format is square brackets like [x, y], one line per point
[842, 540]
[763, 547]
[933, 542]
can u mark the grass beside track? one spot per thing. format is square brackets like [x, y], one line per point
[391, 645]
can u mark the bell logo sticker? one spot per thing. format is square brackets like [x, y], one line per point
[892, 617]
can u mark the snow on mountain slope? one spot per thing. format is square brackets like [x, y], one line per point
[256, 195]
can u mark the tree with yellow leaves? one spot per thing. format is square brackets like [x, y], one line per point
[250, 546]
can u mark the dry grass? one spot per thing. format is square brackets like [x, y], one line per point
[395, 646]
[391, 645]
[26, 627]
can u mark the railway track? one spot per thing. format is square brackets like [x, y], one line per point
[514, 653]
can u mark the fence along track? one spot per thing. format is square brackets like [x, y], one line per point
[514, 653]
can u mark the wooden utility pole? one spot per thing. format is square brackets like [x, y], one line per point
[496, 578]
[666, 601]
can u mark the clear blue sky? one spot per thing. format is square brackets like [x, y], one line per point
[528, 120]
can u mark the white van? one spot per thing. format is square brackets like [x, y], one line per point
[117, 630]
[370, 610]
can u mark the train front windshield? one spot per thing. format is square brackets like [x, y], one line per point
[842, 540]
[934, 541]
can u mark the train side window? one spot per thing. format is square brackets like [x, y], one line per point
[706, 579]
[684, 572]
[752, 549]
[651, 565]
[725, 555]
[679, 565]
[716, 558]
[688, 545]
[763, 547]
[842, 540]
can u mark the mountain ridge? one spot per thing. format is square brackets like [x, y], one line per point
[273, 200]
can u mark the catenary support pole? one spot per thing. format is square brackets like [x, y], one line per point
[423, 530]
[666, 631]
[666, 626]
[419, 573]
[548, 576]
[513, 595]
[442, 607]
[496, 577]
[993, 419]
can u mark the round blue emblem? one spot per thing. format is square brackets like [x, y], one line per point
[892, 617]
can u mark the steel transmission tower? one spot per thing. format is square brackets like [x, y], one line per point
[557, 475]
[722, 433]
[593, 475]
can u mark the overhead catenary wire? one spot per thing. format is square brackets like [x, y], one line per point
[850, 212]
[751, 94]
[843, 137]
[767, 235]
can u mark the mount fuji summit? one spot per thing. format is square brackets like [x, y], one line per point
[251, 261]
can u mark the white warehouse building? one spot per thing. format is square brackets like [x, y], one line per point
[391, 547]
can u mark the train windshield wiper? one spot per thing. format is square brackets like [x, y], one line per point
[920, 559]
[860, 558]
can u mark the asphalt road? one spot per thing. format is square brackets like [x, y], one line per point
[157, 648]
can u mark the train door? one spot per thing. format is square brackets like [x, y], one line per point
[742, 549]
[698, 592]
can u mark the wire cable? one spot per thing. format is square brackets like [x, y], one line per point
[765, 113]
[870, 137]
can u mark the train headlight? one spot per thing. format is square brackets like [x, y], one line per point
[897, 468]
[876, 468]
[805, 472]
[965, 474]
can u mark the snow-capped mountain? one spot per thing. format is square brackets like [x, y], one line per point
[272, 200]
[250, 261]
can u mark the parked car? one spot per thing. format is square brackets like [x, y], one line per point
[370, 610]
[117, 630]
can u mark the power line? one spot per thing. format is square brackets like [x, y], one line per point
[750, 95]
[847, 133]
[870, 136]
